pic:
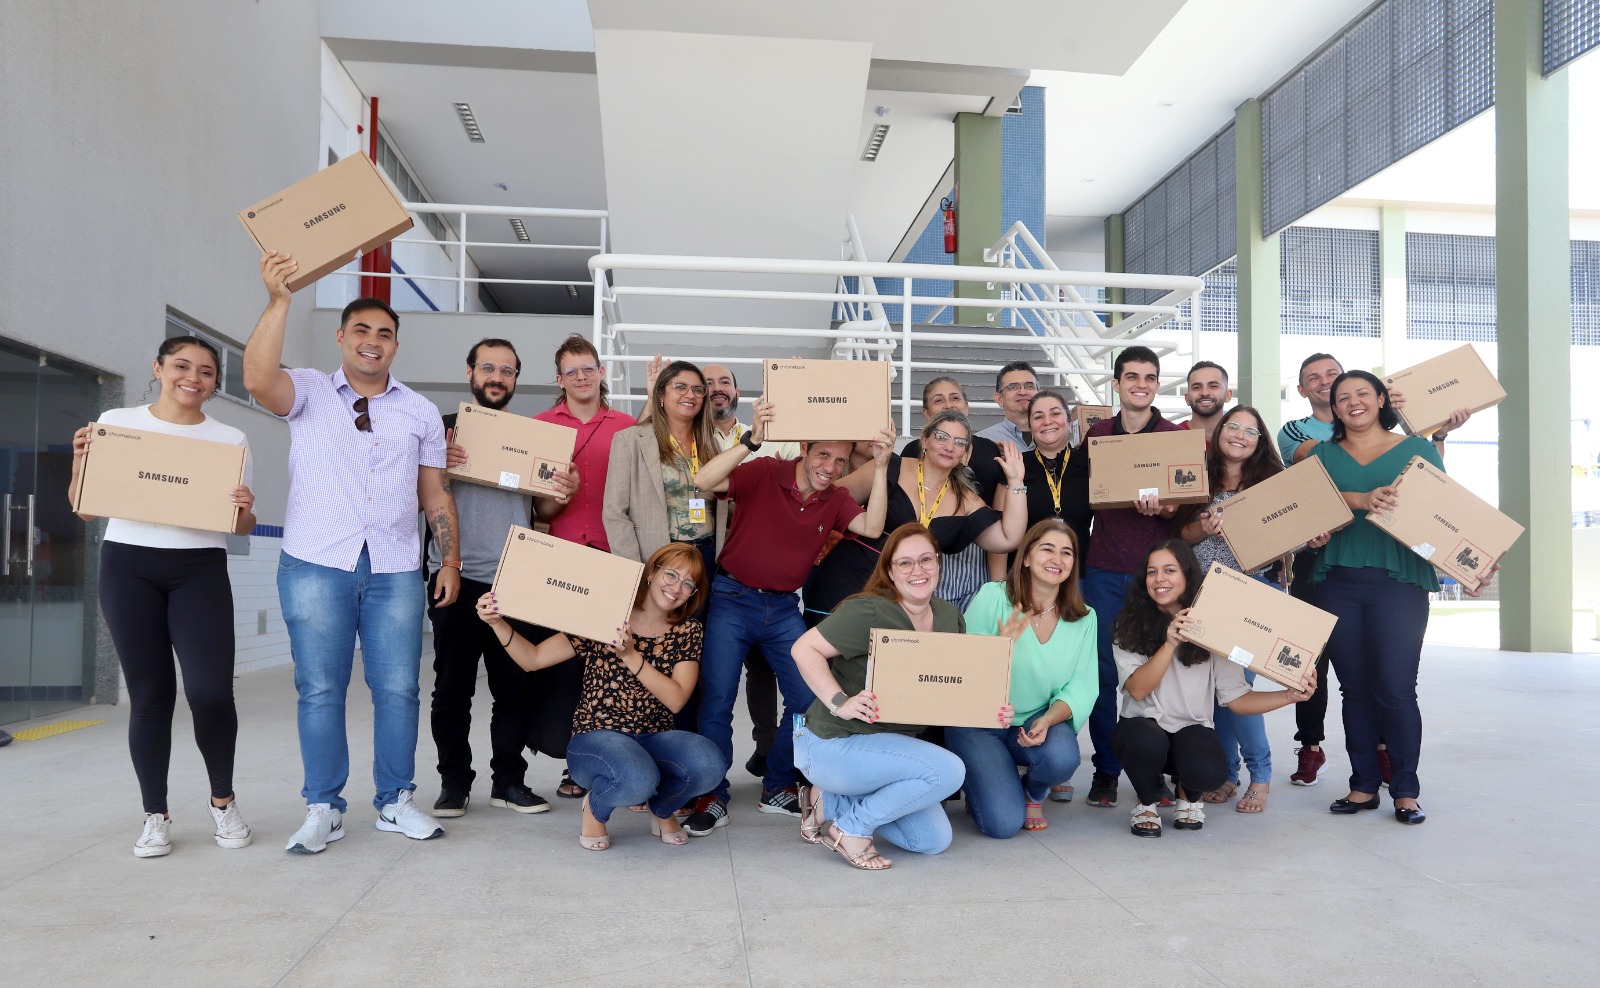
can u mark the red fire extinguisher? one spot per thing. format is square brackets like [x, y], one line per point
[949, 207]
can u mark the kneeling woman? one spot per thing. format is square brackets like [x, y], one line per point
[1169, 688]
[1055, 678]
[878, 777]
[623, 748]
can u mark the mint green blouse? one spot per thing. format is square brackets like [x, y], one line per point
[1065, 668]
[1363, 544]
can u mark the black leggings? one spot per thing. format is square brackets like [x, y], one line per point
[156, 601]
[1192, 756]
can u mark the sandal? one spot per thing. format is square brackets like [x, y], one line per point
[1191, 816]
[1062, 793]
[1222, 793]
[867, 859]
[811, 818]
[1146, 821]
[676, 838]
[1034, 822]
[597, 843]
[569, 789]
[1254, 799]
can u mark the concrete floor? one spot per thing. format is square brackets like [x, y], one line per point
[1500, 887]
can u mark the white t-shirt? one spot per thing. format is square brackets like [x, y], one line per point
[1186, 695]
[170, 536]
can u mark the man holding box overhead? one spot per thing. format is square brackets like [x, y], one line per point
[786, 511]
[365, 452]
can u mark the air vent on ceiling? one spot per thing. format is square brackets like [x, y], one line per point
[520, 230]
[875, 142]
[572, 290]
[469, 122]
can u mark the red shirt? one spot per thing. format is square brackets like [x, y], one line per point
[580, 520]
[1122, 535]
[776, 534]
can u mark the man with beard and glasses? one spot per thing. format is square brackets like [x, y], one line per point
[460, 639]
[1207, 395]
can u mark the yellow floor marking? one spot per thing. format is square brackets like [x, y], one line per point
[51, 730]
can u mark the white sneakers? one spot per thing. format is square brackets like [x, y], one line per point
[232, 831]
[156, 841]
[404, 816]
[323, 825]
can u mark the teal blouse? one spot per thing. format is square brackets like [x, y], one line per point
[1363, 544]
[1066, 668]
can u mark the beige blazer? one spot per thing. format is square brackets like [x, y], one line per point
[635, 506]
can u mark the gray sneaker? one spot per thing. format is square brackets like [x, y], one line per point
[156, 841]
[404, 816]
[323, 826]
[232, 831]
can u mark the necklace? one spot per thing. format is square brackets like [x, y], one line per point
[693, 455]
[925, 512]
[1054, 481]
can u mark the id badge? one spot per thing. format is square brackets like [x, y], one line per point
[697, 510]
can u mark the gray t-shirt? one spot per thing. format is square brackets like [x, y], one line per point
[484, 515]
[1007, 430]
[1186, 695]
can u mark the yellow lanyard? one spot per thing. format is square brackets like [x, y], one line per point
[1054, 483]
[693, 454]
[738, 434]
[923, 511]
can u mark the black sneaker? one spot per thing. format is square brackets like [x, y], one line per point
[757, 765]
[780, 801]
[518, 797]
[1164, 794]
[1102, 791]
[451, 802]
[709, 813]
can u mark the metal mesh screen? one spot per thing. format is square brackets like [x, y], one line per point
[1404, 74]
[1450, 290]
[1185, 224]
[1330, 282]
[1571, 27]
[1219, 301]
[1586, 293]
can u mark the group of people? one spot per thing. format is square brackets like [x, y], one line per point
[771, 562]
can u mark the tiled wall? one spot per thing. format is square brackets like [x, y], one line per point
[260, 638]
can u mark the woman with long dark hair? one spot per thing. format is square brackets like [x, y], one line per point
[1170, 689]
[165, 590]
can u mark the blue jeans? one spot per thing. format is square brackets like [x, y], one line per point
[1105, 590]
[995, 792]
[326, 609]
[741, 617]
[882, 784]
[1376, 649]
[665, 770]
[1244, 734]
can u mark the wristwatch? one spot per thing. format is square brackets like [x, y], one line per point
[839, 699]
[748, 441]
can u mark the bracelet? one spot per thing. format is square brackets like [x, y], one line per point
[1020, 489]
[507, 642]
[454, 564]
[639, 671]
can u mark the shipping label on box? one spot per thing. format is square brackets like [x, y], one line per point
[1170, 465]
[1435, 388]
[939, 679]
[325, 220]
[1437, 518]
[558, 584]
[1282, 513]
[826, 399]
[159, 478]
[1259, 627]
[511, 451]
[1084, 416]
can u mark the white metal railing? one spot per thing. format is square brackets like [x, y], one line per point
[869, 313]
[1086, 356]
[1018, 251]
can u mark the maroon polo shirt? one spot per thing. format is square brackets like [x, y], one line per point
[1122, 535]
[776, 534]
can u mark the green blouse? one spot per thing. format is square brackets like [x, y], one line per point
[1363, 544]
[1066, 668]
[849, 629]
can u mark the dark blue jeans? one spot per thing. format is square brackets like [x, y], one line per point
[665, 769]
[1376, 649]
[1105, 590]
[996, 794]
[740, 617]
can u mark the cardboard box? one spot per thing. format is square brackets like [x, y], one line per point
[939, 679]
[1248, 622]
[326, 220]
[511, 451]
[154, 477]
[826, 399]
[1457, 531]
[1084, 416]
[1437, 387]
[558, 584]
[1281, 513]
[1171, 465]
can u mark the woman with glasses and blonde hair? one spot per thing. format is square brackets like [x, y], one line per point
[624, 749]
[870, 777]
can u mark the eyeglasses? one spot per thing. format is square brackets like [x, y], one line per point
[941, 436]
[698, 390]
[1015, 386]
[583, 370]
[363, 420]
[905, 566]
[1236, 427]
[673, 576]
[505, 370]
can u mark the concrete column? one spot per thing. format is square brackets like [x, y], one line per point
[978, 211]
[1533, 291]
[1116, 259]
[1391, 284]
[1259, 376]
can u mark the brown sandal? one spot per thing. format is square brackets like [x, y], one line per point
[811, 818]
[867, 859]
[1222, 793]
[1254, 799]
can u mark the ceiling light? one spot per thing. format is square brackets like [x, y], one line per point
[572, 290]
[469, 122]
[875, 142]
[520, 230]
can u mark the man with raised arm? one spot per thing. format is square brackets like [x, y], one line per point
[366, 451]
